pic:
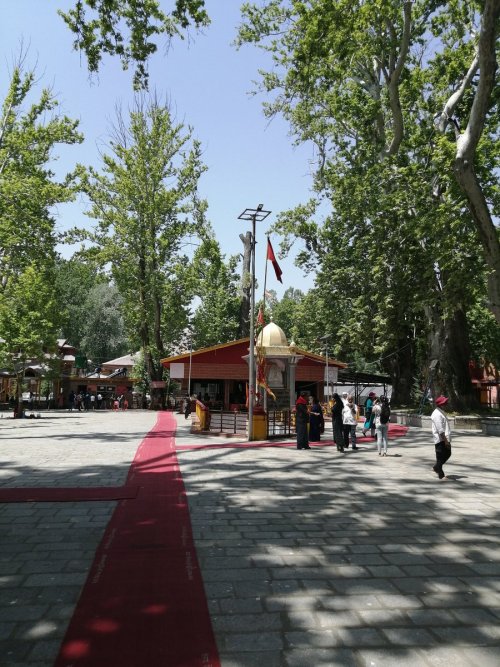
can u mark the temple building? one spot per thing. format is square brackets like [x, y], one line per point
[219, 374]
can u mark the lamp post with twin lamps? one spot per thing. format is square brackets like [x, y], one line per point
[254, 215]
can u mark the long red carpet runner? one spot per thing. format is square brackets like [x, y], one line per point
[144, 604]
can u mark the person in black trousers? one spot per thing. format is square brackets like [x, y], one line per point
[301, 421]
[337, 422]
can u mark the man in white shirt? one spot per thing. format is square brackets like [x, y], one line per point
[442, 436]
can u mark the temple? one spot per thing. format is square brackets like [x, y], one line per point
[220, 373]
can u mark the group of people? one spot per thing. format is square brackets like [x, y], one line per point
[83, 401]
[345, 414]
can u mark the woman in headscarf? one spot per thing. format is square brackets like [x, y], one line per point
[337, 422]
[369, 424]
[301, 421]
[315, 420]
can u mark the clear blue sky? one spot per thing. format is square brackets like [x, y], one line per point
[250, 160]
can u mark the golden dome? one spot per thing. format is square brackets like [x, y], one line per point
[272, 336]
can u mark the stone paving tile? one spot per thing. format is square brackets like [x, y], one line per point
[250, 642]
[333, 657]
[446, 656]
[390, 657]
[303, 563]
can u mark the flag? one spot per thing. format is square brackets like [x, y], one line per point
[260, 318]
[262, 372]
[272, 258]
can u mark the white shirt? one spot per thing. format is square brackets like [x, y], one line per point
[440, 424]
[377, 409]
[347, 414]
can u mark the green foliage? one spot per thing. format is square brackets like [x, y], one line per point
[125, 28]
[103, 332]
[28, 190]
[29, 132]
[146, 204]
[396, 257]
[214, 283]
[74, 281]
[485, 335]
[28, 316]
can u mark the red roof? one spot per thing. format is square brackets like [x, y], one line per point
[232, 353]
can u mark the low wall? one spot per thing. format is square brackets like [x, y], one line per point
[490, 425]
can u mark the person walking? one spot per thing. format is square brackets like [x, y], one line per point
[441, 433]
[301, 421]
[337, 423]
[382, 413]
[349, 420]
[369, 424]
[316, 420]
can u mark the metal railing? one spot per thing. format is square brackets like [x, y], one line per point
[280, 423]
[228, 422]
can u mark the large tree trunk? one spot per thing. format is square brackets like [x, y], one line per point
[245, 286]
[454, 364]
[488, 234]
[466, 150]
[401, 368]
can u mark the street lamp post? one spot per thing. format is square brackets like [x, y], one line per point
[254, 215]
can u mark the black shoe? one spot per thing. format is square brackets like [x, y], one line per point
[354, 448]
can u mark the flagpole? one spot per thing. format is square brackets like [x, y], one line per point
[253, 215]
[265, 282]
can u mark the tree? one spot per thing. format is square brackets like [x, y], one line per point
[74, 281]
[285, 312]
[28, 189]
[28, 321]
[146, 203]
[124, 28]
[215, 285]
[353, 79]
[473, 116]
[29, 317]
[103, 333]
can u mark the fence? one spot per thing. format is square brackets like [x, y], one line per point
[228, 422]
[280, 423]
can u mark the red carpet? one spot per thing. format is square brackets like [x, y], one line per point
[144, 604]
[395, 431]
[66, 494]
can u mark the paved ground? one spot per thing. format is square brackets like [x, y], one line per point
[310, 558]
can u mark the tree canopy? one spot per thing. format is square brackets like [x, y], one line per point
[145, 202]
[366, 83]
[127, 28]
[29, 134]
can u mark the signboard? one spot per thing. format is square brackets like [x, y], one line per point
[177, 371]
[333, 375]
[157, 384]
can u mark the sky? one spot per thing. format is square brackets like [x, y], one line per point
[208, 83]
